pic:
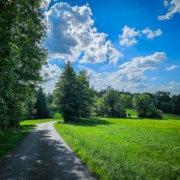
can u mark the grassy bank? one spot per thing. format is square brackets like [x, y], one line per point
[126, 149]
[10, 137]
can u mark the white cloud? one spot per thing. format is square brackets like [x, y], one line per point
[154, 78]
[72, 36]
[97, 52]
[166, 3]
[173, 9]
[148, 62]
[173, 88]
[171, 83]
[45, 3]
[131, 75]
[49, 86]
[172, 67]
[50, 72]
[133, 71]
[128, 36]
[81, 67]
[151, 34]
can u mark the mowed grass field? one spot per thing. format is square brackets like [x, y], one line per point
[132, 149]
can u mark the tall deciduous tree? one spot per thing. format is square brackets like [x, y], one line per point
[144, 106]
[22, 30]
[127, 100]
[111, 105]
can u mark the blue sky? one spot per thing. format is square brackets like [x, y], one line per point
[130, 45]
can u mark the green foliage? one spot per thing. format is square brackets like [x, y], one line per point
[175, 103]
[30, 103]
[145, 108]
[126, 149]
[39, 105]
[85, 94]
[57, 116]
[165, 107]
[22, 56]
[127, 100]
[65, 97]
[162, 101]
[42, 106]
[111, 105]
[72, 95]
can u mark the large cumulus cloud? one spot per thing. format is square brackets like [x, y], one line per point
[72, 36]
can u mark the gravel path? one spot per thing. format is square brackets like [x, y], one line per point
[43, 155]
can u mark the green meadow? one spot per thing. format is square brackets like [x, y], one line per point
[127, 148]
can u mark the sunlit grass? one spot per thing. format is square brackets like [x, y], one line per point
[126, 148]
[57, 116]
[171, 116]
[132, 112]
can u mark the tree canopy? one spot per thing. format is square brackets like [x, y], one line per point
[111, 105]
[22, 31]
[144, 107]
[72, 95]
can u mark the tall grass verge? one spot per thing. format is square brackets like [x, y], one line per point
[126, 148]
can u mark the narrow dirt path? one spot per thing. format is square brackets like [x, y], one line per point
[43, 155]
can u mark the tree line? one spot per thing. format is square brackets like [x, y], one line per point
[74, 98]
[161, 101]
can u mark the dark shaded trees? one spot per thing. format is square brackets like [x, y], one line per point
[39, 105]
[22, 31]
[175, 103]
[162, 101]
[42, 106]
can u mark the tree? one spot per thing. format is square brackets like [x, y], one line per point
[111, 105]
[30, 110]
[22, 32]
[175, 103]
[65, 96]
[73, 96]
[162, 101]
[85, 94]
[127, 100]
[144, 107]
[43, 109]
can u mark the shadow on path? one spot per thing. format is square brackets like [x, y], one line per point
[43, 154]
